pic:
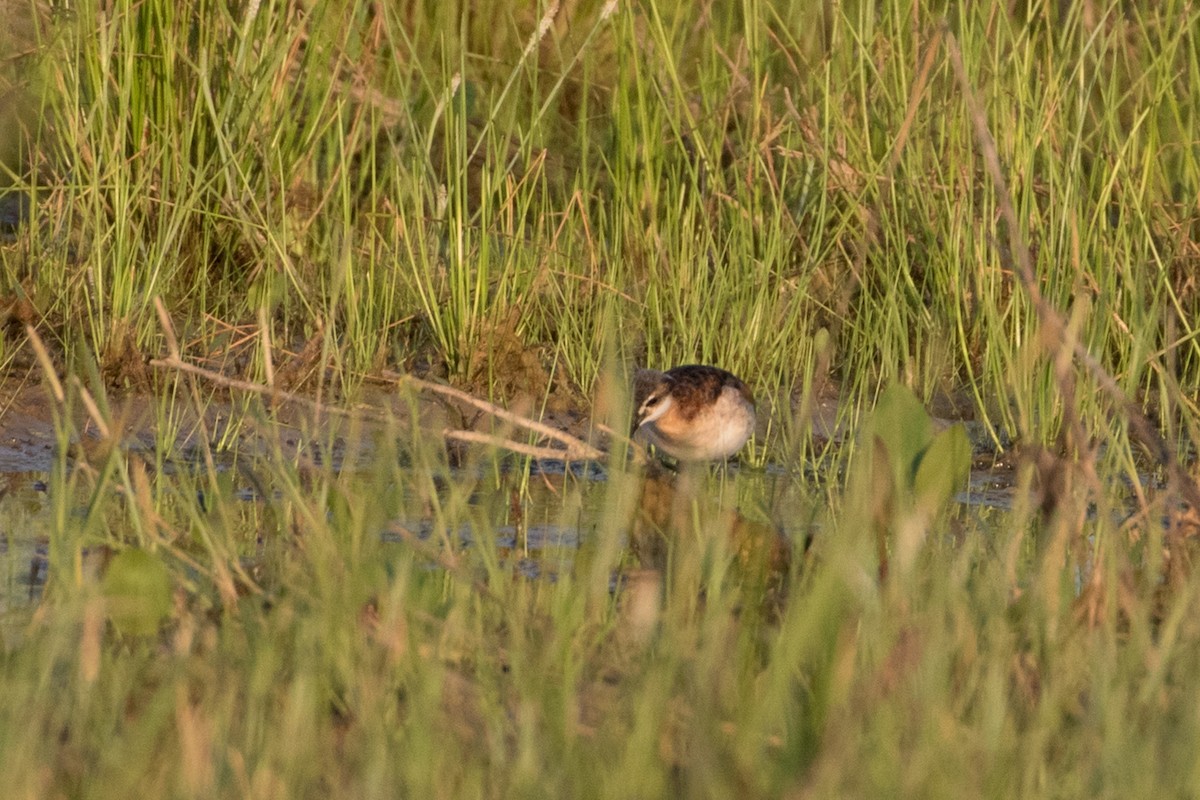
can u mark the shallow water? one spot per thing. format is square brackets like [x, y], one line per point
[25, 521]
[536, 514]
[536, 522]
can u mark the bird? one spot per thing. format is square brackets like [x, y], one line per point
[696, 413]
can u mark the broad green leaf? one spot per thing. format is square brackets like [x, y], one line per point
[904, 427]
[943, 468]
[137, 588]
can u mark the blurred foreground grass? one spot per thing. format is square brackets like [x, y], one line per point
[513, 197]
[376, 632]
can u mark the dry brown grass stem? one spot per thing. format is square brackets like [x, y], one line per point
[47, 364]
[573, 449]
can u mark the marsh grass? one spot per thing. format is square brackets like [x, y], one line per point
[530, 201]
[485, 192]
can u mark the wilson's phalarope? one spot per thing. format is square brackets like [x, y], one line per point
[697, 413]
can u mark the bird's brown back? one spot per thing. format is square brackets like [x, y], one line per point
[697, 386]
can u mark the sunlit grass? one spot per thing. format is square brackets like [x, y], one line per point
[422, 184]
[530, 201]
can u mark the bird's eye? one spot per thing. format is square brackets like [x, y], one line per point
[651, 405]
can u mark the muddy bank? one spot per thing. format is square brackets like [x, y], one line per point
[249, 424]
[233, 423]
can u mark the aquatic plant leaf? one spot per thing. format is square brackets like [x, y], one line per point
[137, 588]
[904, 427]
[943, 468]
